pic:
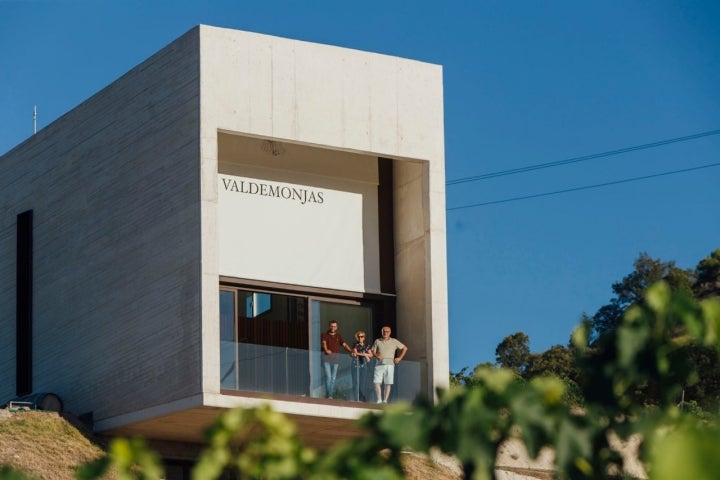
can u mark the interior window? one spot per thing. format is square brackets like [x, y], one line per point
[257, 304]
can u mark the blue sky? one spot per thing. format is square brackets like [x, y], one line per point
[526, 82]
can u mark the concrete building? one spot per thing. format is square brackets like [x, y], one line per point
[175, 245]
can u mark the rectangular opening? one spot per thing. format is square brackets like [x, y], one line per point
[24, 301]
[386, 226]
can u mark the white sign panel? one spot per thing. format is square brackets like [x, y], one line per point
[298, 234]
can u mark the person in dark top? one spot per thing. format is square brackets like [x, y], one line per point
[361, 353]
[331, 341]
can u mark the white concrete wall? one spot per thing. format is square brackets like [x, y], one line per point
[319, 94]
[339, 99]
[115, 189]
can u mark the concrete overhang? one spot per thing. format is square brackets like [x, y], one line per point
[320, 423]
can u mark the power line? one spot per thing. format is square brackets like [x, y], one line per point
[584, 158]
[587, 187]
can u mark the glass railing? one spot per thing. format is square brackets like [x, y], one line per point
[290, 371]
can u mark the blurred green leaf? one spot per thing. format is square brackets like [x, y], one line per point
[687, 451]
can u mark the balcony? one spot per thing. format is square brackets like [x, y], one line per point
[299, 372]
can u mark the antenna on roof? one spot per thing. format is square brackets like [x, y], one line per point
[34, 119]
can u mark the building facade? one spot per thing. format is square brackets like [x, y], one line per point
[176, 244]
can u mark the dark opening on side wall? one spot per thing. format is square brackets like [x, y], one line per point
[24, 301]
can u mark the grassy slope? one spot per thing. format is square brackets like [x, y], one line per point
[43, 444]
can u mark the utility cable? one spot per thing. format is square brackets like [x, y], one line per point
[584, 158]
[587, 187]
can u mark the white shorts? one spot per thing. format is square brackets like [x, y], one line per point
[384, 373]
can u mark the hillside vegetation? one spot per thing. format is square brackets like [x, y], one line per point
[44, 445]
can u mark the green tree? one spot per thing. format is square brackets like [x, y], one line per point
[707, 283]
[706, 391]
[514, 352]
[465, 377]
[632, 288]
[703, 282]
[558, 360]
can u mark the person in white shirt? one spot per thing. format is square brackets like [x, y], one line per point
[385, 349]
